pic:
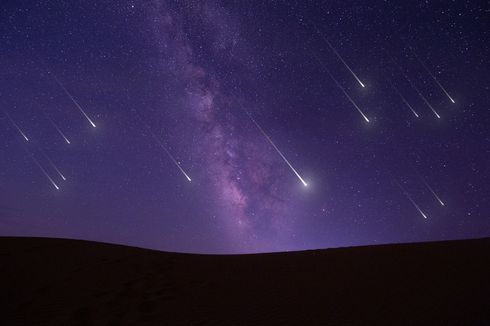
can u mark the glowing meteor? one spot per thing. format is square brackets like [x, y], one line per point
[60, 84]
[165, 149]
[72, 99]
[411, 200]
[45, 173]
[171, 156]
[16, 126]
[340, 86]
[417, 90]
[432, 190]
[53, 165]
[277, 150]
[432, 75]
[404, 99]
[57, 128]
[339, 56]
[427, 102]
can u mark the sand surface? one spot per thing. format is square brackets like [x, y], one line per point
[70, 282]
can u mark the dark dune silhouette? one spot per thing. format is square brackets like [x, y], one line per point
[70, 282]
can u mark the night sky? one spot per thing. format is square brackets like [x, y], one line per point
[212, 116]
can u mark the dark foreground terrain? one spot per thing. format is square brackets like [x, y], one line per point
[69, 282]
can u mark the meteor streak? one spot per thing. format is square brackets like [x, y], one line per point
[60, 84]
[57, 128]
[277, 149]
[404, 99]
[340, 86]
[53, 165]
[411, 200]
[432, 190]
[417, 90]
[427, 102]
[72, 99]
[432, 75]
[45, 173]
[165, 149]
[16, 126]
[339, 56]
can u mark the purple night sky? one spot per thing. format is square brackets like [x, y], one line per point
[174, 88]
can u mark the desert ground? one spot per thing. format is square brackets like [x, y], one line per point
[72, 282]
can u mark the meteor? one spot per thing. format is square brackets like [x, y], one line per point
[404, 99]
[165, 149]
[60, 84]
[338, 56]
[72, 98]
[277, 149]
[417, 90]
[411, 200]
[53, 165]
[45, 173]
[432, 190]
[432, 75]
[427, 102]
[57, 128]
[340, 86]
[16, 126]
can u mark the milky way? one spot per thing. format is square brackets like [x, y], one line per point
[245, 176]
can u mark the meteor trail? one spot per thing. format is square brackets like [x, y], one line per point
[277, 149]
[432, 190]
[338, 56]
[403, 99]
[16, 126]
[427, 102]
[417, 90]
[340, 86]
[53, 165]
[165, 149]
[57, 128]
[430, 74]
[45, 173]
[411, 200]
[59, 83]
[72, 98]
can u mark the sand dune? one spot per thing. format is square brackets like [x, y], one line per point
[69, 282]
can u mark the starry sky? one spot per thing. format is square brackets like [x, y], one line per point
[210, 115]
